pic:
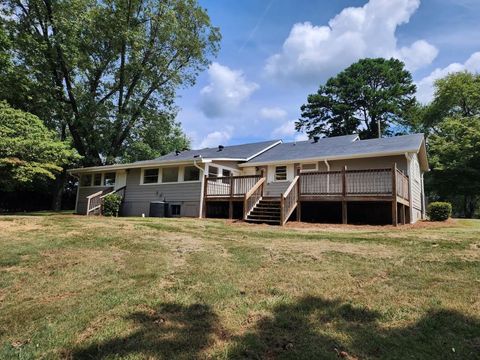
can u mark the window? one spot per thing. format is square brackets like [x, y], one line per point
[170, 174]
[191, 173]
[150, 176]
[86, 180]
[309, 167]
[97, 180]
[109, 179]
[212, 171]
[226, 173]
[175, 210]
[280, 173]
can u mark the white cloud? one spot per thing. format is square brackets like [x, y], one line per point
[215, 138]
[287, 132]
[425, 87]
[313, 53]
[226, 91]
[273, 113]
[286, 129]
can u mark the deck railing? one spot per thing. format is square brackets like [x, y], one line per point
[289, 201]
[369, 182]
[402, 185]
[232, 186]
[95, 201]
[252, 197]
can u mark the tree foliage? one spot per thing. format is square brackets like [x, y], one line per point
[452, 121]
[368, 91]
[28, 150]
[102, 72]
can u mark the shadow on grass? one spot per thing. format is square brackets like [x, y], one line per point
[329, 329]
[312, 328]
[172, 331]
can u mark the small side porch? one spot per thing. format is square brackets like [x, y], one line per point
[313, 192]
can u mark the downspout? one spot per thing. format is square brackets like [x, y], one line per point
[328, 175]
[202, 172]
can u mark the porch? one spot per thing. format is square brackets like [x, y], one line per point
[388, 186]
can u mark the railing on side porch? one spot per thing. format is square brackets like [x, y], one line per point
[231, 186]
[95, 201]
[368, 182]
[402, 185]
[252, 197]
[289, 200]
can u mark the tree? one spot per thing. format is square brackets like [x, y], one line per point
[452, 124]
[28, 150]
[367, 92]
[454, 151]
[99, 71]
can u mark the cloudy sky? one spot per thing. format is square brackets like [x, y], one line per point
[276, 52]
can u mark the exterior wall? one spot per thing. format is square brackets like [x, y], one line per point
[370, 163]
[138, 197]
[231, 165]
[416, 188]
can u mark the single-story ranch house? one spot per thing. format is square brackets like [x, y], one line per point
[338, 179]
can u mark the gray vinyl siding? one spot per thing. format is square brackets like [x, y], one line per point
[370, 163]
[138, 197]
[83, 192]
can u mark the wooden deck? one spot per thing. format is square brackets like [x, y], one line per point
[385, 185]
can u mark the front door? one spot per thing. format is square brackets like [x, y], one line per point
[121, 179]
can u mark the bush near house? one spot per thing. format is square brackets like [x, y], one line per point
[111, 204]
[439, 211]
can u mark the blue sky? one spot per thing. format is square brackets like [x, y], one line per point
[276, 52]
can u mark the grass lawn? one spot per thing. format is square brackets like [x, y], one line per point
[76, 287]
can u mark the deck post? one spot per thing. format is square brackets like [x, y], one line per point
[344, 194]
[299, 211]
[394, 195]
[282, 209]
[230, 201]
[205, 189]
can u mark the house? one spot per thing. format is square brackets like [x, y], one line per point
[338, 179]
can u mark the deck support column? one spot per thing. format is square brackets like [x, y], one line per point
[230, 202]
[394, 196]
[344, 212]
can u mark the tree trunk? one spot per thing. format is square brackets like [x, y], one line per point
[58, 186]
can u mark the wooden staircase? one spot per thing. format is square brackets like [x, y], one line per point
[267, 210]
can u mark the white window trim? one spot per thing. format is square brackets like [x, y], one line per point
[91, 180]
[180, 179]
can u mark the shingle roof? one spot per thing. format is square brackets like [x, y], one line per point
[338, 147]
[234, 152]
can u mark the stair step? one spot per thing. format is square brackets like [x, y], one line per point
[268, 221]
[270, 212]
[263, 217]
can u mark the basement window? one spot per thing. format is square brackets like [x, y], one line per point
[175, 210]
[150, 176]
[280, 173]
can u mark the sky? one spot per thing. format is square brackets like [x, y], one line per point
[276, 52]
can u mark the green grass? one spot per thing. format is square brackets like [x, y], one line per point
[135, 288]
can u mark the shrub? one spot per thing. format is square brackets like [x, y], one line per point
[111, 204]
[439, 211]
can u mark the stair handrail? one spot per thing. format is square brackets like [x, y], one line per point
[96, 200]
[254, 190]
[289, 201]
